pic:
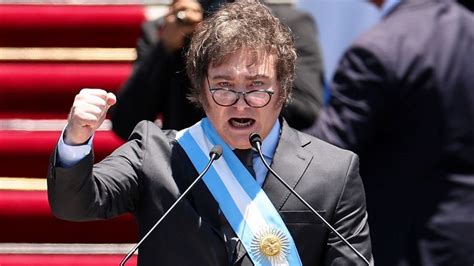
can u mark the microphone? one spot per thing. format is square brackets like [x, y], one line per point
[214, 154]
[256, 142]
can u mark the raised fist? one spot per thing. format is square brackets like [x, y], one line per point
[87, 114]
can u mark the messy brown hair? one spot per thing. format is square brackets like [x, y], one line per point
[242, 24]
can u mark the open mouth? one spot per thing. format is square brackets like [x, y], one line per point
[241, 122]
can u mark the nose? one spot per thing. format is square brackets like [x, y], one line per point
[241, 104]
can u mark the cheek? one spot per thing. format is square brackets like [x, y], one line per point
[205, 99]
[216, 114]
[205, 106]
[208, 104]
[276, 104]
[267, 116]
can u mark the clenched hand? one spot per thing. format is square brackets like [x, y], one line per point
[87, 114]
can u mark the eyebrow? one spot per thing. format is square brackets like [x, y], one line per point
[252, 77]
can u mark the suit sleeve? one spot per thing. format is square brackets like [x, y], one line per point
[105, 190]
[359, 98]
[142, 96]
[351, 221]
[307, 95]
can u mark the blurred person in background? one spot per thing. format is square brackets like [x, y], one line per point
[469, 4]
[403, 100]
[158, 87]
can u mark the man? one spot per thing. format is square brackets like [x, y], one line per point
[158, 87]
[241, 63]
[403, 101]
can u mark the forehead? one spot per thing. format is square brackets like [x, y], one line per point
[244, 62]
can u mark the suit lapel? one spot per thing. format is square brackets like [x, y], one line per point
[206, 205]
[202, 199]
[289, 162]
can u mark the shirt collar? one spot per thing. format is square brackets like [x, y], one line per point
[388, 6]
[271, 141]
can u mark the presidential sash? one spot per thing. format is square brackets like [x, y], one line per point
[250, 213]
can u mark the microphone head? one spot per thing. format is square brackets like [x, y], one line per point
[216, 151]
[255, 138]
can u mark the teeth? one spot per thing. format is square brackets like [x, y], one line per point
[241, 122]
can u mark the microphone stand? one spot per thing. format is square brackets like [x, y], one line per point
[256, 142]
[214, 154]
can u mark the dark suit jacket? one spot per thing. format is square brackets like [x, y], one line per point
[159, 84]
[146, 174]
[403, 100]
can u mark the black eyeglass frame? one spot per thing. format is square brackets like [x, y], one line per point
[238, 93]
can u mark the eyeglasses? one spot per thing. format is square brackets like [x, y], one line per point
[228, 97]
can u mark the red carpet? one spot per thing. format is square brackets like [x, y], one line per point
[38, 85]
[25, 216]
[26, 153]
[56, 260]
[70, 25]
[51, 87]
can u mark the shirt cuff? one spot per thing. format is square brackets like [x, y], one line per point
[69, 155]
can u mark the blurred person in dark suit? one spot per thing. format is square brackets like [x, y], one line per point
[469, 4]
[403, 100]
[158, 86]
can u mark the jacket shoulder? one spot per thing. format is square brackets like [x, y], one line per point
[318, 146]
[147, 129]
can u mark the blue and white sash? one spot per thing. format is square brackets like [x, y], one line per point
[250, 213]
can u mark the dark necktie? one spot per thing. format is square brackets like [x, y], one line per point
[246, 157]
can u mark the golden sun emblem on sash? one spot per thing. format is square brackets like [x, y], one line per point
[272, 244]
